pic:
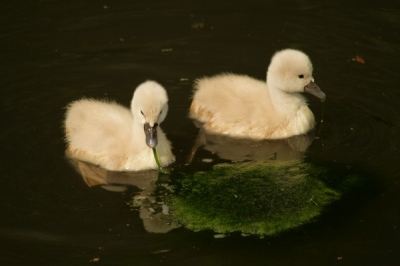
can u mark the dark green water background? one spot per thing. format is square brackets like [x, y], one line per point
[53, 52]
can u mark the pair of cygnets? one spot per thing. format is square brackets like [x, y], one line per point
[116, 138]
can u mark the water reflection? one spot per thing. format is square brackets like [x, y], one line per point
[154, 213]
[257, 198]
[269, 189]
[236, 150]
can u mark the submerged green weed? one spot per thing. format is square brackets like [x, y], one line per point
[254, 198]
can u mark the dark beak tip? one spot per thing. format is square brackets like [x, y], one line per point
[152, 143]
[151, 135]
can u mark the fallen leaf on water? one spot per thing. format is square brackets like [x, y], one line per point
[358, 59]
[95, 260]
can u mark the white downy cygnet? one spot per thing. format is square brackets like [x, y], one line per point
[116, 138]
[241, 106]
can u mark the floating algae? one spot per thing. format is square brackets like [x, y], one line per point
[162, 170]
[255, 198]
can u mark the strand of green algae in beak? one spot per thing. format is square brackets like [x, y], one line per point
[162, 170]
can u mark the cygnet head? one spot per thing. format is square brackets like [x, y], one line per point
[149, 108]
[291, 71]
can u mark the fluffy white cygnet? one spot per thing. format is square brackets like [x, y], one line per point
[241, 106]
[116, 138]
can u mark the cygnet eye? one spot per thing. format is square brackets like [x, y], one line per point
[142, 113]
[301, 76]
[160, 112]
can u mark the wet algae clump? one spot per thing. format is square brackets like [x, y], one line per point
[255, 198]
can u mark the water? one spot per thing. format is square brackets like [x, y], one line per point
[53, 53]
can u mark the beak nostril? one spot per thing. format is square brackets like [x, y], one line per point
[313, 89]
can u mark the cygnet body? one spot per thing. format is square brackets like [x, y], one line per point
[116, 138]
[241, 106]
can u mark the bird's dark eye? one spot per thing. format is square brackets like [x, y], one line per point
[160, 111]
[142, 113]
[301, 76]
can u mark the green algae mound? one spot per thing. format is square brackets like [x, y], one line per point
[255, 198]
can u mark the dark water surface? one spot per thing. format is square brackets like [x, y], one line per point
[54, 52]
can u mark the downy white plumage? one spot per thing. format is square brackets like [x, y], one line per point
[241, 106]
[116, 138]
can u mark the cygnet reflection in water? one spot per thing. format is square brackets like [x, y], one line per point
[155, 215]
[242, 149]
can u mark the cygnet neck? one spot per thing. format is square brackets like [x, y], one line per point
[284, 102]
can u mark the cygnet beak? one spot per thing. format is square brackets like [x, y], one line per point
[151, 135]
[313, 89]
